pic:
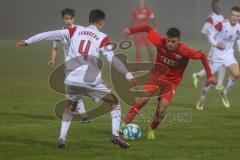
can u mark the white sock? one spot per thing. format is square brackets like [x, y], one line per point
[66, 121]
[80, 107]
[230, 83]
[221, 75]
[116, 119]
[204, 90]
[201, 73]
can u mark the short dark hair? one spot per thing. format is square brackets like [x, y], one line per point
[214, 2]
[236, 9]
[173, 32]
[96, 15]
[68, 11]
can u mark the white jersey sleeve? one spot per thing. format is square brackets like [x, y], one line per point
[117, 64]
[207, 27]
[211, 38]
[59, 35]
[56, 44]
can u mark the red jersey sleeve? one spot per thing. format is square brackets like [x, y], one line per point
[210, 20]
[153, 36]
[193, 54]
[143, 28]
[156, 38]
[105, 42]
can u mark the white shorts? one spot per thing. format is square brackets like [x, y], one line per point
[216, 65]
[74, 93]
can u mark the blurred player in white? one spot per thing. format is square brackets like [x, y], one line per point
[83, 76]
[68, 15]
[222, 39]
[213, 19]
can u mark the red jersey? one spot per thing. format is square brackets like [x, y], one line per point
[142, 16]
[176, 60]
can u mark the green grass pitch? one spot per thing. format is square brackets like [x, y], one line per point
[29, 130]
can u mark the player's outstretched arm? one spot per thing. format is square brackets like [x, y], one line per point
[61, 35]
[53, 54]
[21, 43]
[52, 57]
[117, 64]
[132, 30]
[193, 54]
[152, 35]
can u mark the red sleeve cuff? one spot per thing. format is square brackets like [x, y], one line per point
[140, 29]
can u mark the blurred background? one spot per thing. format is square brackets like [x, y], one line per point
[25, 17]
[29, 129]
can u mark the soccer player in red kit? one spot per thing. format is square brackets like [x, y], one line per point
[142, 15]
[174, 55]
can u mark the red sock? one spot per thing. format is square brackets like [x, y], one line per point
[132, 113]
[157, 119]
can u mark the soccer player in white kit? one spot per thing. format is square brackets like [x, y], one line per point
[213, 19]
[84, 74]
[68, 15]
[222, 39]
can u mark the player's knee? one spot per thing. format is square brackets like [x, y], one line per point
[236, 75]
[72, 105]
[116, 107]
[111, 99]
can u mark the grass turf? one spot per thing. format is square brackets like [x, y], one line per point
[29, 130]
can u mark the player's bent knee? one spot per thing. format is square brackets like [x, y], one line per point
[236, 75]
[111, 99]
[72, 105]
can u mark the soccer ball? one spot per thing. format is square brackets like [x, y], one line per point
[132, 132]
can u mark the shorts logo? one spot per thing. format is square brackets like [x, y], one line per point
[169, 61]
[178, 57]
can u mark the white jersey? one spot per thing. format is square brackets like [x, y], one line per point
[212, 20]
[57, 44]
[224, 33]
[86, 44]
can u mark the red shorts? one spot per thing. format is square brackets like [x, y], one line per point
[161, 88]
[140, 39]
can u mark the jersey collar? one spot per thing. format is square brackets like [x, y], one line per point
[73, 25]
[93, 27]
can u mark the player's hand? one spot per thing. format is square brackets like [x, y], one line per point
[51, 63]
[221, 46]
[126, 31]
[21, 43]
[212, 80]
[133, 82]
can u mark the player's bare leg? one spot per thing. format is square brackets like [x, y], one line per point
[235, 74]
[158, 117]
[221, 75]
[66, 121]
[204, 90]
[112, 101]
[138, 105]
